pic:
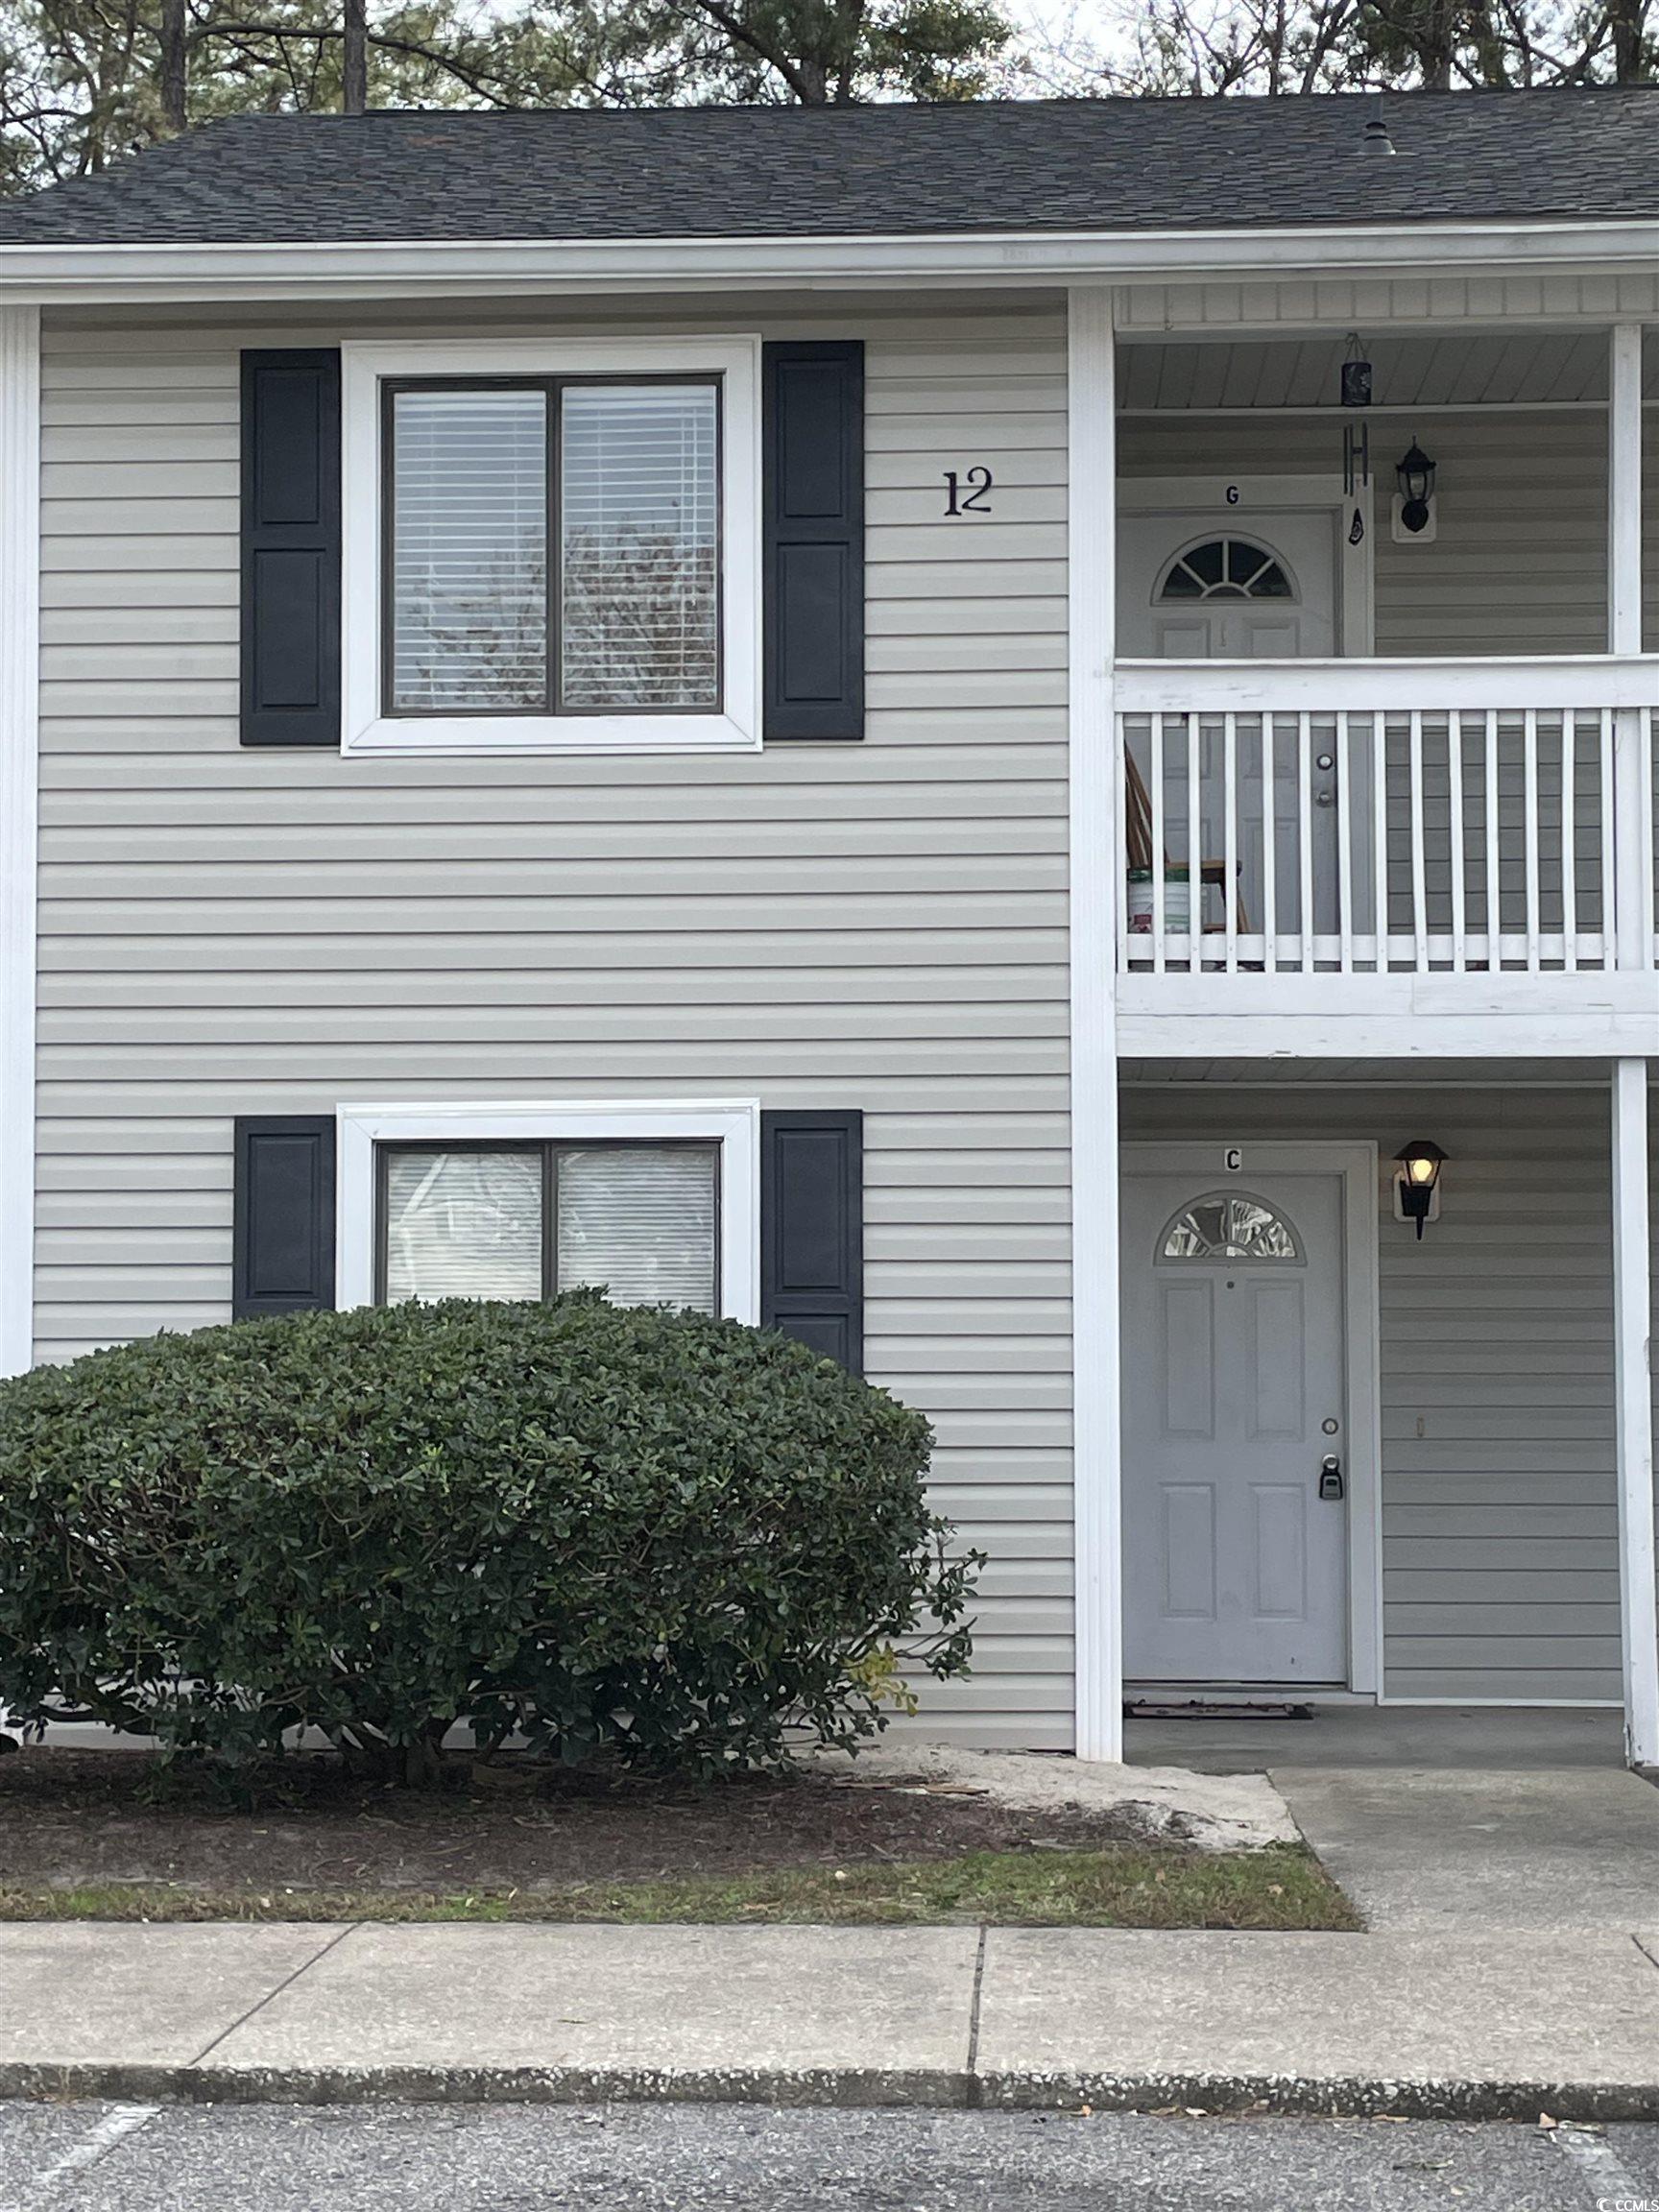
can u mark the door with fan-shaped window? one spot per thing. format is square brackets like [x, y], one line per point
[1196, 587]
[1191, 587]
[1234, 1360]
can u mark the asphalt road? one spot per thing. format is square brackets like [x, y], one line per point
[663, 2159]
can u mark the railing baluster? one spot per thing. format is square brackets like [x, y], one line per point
[1459, 889]
[1195, 842]
[1339, 753]
[1230, 833]
[1269, 841]
[1494, 880]
[1305, 839]
[1530, 829]
[1419, 858]
[1380, 830]
[1155, 776]
[1569, 837]
[1544, 900]
[1609, 836]
[1647, 829]
[1120, 897]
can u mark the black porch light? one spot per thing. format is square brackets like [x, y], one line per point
[1414, 473]
[1419, 1166]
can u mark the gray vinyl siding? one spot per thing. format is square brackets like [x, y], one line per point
[1520, 556]
[879, 925]
[1499, 1558]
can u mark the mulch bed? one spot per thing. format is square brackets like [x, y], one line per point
[81, 1818]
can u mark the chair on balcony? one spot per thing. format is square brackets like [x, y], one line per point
[1138, 837]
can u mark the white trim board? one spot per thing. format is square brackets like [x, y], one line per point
[1633, 1408]
[1517, 1705]
[364, 366]
[1363, 687]
[1374, 1023]
[1092, 797]
[19, 818]
[1358, 1166]
[734, 1123]
[1600, 255]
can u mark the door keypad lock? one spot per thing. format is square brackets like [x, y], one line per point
[1332, 1487]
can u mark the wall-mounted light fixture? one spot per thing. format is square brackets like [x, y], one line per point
[1414, 501]
[1417, 1183]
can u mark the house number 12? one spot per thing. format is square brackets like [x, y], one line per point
[968, 493]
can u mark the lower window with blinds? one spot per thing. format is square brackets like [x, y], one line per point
[639, 1222]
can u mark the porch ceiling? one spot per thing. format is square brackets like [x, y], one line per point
[1527, 369]
[1370, 1074]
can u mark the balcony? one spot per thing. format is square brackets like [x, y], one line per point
[1358, 825]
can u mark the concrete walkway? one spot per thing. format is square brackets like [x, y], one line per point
[1437, 2024]
[1458, 1818]
[1462, 1739]
[1464, 1852]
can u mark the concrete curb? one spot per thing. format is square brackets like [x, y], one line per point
[1350, 2097]
[1344, 2097]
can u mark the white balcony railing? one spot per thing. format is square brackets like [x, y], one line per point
[1376, 816]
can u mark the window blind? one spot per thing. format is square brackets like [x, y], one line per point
[641, 1222]
[469, 559]
[462, 1225]
[639, 546]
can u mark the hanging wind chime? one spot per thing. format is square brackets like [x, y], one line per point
[1356, 436]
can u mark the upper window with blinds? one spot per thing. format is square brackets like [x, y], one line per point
[552, 547]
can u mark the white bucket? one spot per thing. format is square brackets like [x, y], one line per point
[1177, 901]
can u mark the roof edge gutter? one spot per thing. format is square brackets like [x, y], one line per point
[93, 275]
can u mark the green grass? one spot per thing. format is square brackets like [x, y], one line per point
[1124, 1887]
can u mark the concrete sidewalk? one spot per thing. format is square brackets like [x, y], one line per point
[1488, 2025]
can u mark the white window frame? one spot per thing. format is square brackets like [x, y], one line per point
[736, 728]
[734, 1124]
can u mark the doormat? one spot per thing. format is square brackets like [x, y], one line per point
[1203, 1709]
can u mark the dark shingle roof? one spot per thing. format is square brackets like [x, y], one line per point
[791, 171]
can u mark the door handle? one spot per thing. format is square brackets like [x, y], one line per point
[1332, 1487]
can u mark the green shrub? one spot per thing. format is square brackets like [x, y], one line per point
[623, 1531]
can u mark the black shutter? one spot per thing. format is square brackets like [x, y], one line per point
[282, 1242]
[291, 548]
[813, 442]
[812, 1231]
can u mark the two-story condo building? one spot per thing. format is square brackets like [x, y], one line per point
[1019, 737]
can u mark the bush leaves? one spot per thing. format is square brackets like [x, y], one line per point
[616, 1531]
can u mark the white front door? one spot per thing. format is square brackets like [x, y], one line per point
[1234, 1360]
[1198, 587]
[1194, 587]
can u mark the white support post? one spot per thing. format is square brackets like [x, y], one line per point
[1633, 1421]
[1095, 862]
[1632, 798]
[19, 813]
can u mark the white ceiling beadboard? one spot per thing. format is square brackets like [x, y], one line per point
[1367, 1074]
[1416, 370]
[1151, 310]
